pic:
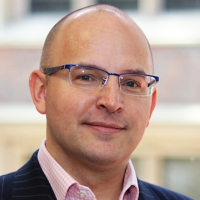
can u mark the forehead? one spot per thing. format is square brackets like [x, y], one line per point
[96, 37]
[100, 23]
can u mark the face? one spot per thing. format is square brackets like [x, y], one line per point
[101, 127]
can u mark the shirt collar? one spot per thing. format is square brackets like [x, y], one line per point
[130, 186]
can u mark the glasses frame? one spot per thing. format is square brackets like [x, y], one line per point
[52, 70]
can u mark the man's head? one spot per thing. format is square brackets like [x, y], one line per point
[93, 126]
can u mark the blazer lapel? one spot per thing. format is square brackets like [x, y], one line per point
[31, 183]
[145, 193]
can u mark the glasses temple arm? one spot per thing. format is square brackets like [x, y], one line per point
[151, 83]
[52, 70]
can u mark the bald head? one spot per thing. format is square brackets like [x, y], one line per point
[72, 34]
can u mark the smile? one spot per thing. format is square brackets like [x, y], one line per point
[104, 128]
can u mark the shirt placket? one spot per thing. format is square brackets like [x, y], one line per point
[78, 192]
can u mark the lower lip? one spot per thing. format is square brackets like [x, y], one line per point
[104, 130]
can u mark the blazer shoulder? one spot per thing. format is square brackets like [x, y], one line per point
[157, 192]
[6, 185]
[7, 181]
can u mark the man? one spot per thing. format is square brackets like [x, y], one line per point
[96, 87]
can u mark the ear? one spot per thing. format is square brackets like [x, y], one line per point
[37, 85]
[153, 103]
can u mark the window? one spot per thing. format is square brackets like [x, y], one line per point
[49, 5]
[182, 4]
[183, 176]
[122, 4]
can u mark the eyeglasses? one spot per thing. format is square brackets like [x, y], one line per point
[93, 78]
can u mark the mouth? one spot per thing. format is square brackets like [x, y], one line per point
[105, 128]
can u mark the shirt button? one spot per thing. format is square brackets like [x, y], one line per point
[82, 195]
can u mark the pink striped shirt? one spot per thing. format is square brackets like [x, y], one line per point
[66, 188]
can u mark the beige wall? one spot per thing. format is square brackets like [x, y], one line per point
[13, 10]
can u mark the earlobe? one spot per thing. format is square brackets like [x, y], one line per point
[37, 85]
[153, 104]
[153, 101]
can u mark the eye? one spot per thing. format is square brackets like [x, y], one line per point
[131, 84]
[86, 78]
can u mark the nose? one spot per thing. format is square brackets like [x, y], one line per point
[110, 97]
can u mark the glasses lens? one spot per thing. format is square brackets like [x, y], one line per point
[139, 85]
[87, 77]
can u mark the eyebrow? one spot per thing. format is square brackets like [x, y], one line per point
[136, 71]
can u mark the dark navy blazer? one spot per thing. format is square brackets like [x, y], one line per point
[30, 183]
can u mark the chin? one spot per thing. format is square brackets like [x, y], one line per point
[105, 159]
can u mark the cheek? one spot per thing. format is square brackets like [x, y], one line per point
[139, 119]
[65, 105]
[140, 111]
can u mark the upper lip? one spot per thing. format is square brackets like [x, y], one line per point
[106, 125]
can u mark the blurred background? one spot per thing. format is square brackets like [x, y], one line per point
[169, 154]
